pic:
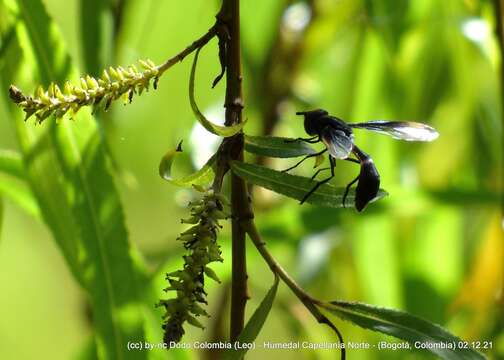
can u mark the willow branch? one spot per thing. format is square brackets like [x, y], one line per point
[240, 204]
[276, 268]
[114, 83]
[188, 50]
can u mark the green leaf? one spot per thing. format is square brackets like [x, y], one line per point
[295, 186]
[166, 162]
[277, 147]
[6, 40]
[87, 351]
[69, 174]
[224, 131]
[20, 195]
[1, 216]
[11, 163]
[403, 326]
[96, 34]
[11, 187]
[254, 325]
[10, 51]
[201, 177]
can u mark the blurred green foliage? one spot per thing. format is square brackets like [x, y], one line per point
[434, 247]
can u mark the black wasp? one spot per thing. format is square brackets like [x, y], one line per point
[337, 136]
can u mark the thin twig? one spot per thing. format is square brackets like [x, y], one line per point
[194, 46]
[251, 230]
[304, 297]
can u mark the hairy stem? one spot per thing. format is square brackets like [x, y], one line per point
[240, 205]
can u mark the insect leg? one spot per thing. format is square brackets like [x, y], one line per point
[319, 171]
[333, 165]
[348, 188]
[312, 140]
[303, 159]
[352, 182]
[353, 160]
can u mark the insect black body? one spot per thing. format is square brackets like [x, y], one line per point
[369, 180]
[337, 136]
[317, 121]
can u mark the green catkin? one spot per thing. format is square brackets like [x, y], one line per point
[188, 283]
[115, 83]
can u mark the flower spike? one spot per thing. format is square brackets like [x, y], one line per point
[113, 84]
[188, 283]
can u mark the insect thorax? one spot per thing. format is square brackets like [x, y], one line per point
[315, 125]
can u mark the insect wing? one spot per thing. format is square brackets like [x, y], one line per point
[402, 130]
[337, 142]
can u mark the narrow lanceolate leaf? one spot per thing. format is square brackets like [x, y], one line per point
[165, 165]
[20, 195]
[1, 216]
[12, 176]
[69, 174]
[417, 331]
[6, 40]
[295, 186]
[199, 178]
[224, 131]
[96, 34]
[11, 163]
[277, 147]
[254, 325]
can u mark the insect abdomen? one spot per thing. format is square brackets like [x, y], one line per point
[368, 185]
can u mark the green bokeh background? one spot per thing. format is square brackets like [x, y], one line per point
[434, 247]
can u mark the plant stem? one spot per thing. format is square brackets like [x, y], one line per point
[276, 268]
[251, 229]
[240, 204]
[194, 46]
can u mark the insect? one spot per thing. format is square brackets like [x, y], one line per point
[337, 136]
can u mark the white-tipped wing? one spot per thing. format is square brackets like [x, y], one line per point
[402, 130]
[337, 142]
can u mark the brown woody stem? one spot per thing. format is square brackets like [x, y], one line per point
[240, 205]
